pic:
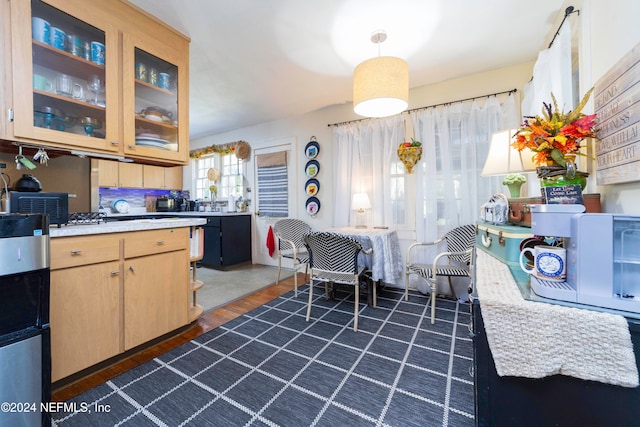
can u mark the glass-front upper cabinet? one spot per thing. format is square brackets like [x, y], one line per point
[155, 99]
[65, 75]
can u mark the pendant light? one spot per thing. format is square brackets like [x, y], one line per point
[381, 84]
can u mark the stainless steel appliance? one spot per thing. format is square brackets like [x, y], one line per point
[56, 205]
[25, 356]
[603, 258]
[164, 204]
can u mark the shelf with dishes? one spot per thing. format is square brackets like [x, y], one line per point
[52, 111]
[152, 138]
[62, 61]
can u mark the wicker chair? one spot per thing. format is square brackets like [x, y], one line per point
[460, 243]
[289, 233]
[333, 259]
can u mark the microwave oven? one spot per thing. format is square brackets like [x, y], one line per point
[164, 204]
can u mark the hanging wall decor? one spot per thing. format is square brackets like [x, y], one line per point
[311, 169]
[312, 149]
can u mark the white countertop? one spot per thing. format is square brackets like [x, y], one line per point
[124, 226]
[174, 214]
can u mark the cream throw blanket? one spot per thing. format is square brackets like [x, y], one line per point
[536, 339]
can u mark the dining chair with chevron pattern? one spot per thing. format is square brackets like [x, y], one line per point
[289, 232]
[460, 243]
[333, 259]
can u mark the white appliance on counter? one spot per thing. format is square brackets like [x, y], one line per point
[603, 257]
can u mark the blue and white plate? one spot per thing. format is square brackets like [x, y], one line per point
[312, 149]
[312, 168]
[312, 187]
[313, 206]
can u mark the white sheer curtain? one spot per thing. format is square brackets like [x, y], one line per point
[362, 157]
[551, 74]
[455, 140]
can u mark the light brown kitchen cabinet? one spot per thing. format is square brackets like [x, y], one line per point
[108, 173]
[130, 175]
[173, 178]
[102, 104]
[153, 303]
[153, 176]
[167, 178]
[113, 292]
[86, 324]
[156, 283]
[133, 175]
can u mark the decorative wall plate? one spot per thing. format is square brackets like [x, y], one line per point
[312, 168]
[312, 187]
[312, 149]
[313, 206]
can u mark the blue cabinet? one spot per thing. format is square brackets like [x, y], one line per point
[227, 241]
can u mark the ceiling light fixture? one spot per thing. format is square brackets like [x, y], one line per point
[380, 85]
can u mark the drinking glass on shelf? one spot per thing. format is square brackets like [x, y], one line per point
[96, 87]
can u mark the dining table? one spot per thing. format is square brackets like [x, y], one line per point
[385, 260]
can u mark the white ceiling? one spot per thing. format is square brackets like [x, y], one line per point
[254, 61]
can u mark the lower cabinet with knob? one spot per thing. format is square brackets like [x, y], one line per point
[113, 292]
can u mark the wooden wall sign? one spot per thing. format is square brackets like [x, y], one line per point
[617, 96]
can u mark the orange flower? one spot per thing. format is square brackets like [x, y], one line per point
[555, 134]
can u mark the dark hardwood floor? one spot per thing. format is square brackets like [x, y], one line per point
[206, 322]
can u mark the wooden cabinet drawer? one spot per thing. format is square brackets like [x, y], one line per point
[140, 243]
[83, 250]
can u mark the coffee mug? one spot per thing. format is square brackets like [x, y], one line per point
[41, 83]
[57, 38]
[97, 53]
[40, 30]
[74, 45]
[164, 80]
[549, 262]
[67, 87]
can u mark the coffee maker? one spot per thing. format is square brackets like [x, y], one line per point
[603, 256]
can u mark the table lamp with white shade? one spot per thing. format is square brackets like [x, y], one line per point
[503, 159]
[360, 203]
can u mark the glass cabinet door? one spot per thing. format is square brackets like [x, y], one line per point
[155, 122]
[65, 90]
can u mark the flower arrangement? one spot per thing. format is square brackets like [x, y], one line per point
[556, 133]
[410, 153]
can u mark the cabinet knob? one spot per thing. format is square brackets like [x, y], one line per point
[115, 143]
[115, 272]
[76, 251]
[132, 269]
[132, 147]
[161, 242]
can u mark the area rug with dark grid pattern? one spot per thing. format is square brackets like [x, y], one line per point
[270, 367]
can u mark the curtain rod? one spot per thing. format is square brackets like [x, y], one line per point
[434, 105]
[568, 11]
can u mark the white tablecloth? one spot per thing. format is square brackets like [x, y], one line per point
[385, 262]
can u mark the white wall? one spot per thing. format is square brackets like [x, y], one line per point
[614, 31]
[315, 124]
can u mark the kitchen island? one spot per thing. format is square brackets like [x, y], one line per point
[116, 286]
